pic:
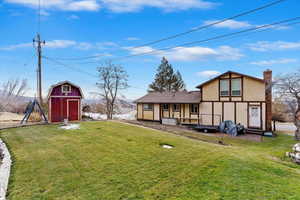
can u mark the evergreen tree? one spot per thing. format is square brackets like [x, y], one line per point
[166, 79]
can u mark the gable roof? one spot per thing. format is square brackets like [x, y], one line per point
[171, 97]
[229, 72]
[63, 83]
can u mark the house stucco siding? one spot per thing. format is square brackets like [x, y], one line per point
[210, 92]
[253, 90]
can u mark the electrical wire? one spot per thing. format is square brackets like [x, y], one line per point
[229, 35]
[70, 67]
[210, 39]
[191, 30]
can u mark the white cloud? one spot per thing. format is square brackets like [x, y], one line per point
[166, 5]
[84, 46]
[191, 53]
[234, 24]
[231, 24]
[44, 13]
[132, 38]
[16, 46]
[69, 5]
[90, 5]
[60, 44]
[208, 73]
[100, 56]
[55, 44]
[274, 62]
[117, 5]
[73, 17]
[263, 46]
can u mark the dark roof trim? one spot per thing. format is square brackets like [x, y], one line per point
[228, 72]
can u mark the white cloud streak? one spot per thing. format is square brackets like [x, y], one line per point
[67, 5]
[118, 6]
[274, 62]
[264, 46]
[73, 17]
[208, 73]
[192, 53]
[231, 24]
[132, 39]
[234, 24]
[166, 5]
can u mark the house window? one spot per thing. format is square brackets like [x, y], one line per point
[147, 106]
[176, 107]
[236, 87]
[165, 106]
[224, 87]
[66, 88]
[194, 108]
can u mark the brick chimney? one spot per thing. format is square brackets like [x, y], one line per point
[268, 93]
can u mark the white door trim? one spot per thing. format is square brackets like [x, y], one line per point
[255, 116]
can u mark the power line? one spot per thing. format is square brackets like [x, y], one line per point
[211, 39]
[262, 28]
[213, 24]
[191, 30]
[70, 67]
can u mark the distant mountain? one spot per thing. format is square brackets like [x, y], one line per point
[123, 105]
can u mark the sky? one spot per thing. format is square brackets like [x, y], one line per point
[109, 29]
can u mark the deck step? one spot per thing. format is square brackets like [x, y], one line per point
[254, 131]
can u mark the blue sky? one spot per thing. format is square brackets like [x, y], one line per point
[109, 28]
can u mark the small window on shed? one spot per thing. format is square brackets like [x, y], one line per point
[66, 88]
[148, 106]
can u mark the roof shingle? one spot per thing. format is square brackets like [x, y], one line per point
[171, 97]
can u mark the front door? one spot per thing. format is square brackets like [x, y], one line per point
[73, 110]
[254, 116]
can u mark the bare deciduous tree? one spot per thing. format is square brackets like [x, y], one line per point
[11, 92]
[288, 89]
[279, 112]
[112, 79]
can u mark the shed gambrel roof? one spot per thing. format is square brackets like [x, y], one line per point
[63, 83]
[171, 97]
[229, 72]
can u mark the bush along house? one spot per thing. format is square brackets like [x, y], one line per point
[64, 100]
[231, 96]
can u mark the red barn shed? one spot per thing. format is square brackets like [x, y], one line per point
[64, 100]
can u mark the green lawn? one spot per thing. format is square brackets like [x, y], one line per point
[113, 161]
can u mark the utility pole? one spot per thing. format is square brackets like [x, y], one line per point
[38, 44]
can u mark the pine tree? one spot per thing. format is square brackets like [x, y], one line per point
[166, 79]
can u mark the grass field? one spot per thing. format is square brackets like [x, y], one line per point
[113, 161]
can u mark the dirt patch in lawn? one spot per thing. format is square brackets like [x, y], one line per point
[193, 134]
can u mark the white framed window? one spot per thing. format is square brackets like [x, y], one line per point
[165, 106]
[224, 87]
[176, 107]
[66, 89]
[236, 87]
[148, 106]
[194, 108]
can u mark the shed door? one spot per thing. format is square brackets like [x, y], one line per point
[73, 110]
[254, 116]
[56, 110]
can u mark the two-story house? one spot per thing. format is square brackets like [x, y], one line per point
[232, 96]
